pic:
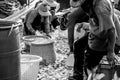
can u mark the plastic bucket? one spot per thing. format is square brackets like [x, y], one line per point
[42, 46]
[29, 66]
[29, 39]
[9, 51]
[9, 38]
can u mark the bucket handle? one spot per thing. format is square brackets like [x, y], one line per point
[13, 25]
[11, 30]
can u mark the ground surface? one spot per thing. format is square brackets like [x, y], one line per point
[59, 70]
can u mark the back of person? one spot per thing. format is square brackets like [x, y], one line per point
[35, 24]
[98, 36]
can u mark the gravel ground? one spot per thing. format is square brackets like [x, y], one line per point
[59, 70]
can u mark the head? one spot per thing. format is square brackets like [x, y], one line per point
[43, 10]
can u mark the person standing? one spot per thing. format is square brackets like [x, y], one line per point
[102, 35]
[77, 15]
[101, 38]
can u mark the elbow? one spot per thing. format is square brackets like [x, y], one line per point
[112, 35]
[28, 25]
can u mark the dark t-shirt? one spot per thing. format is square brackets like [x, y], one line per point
[64, 4]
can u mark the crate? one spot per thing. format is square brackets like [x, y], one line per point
[108, 70]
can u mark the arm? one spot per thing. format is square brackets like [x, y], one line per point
[111, 40]
[29, 21]
[106, 23]
[72, 18]
[47, 24]
[117, 26]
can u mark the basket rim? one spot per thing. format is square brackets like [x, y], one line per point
[29, 36]
[30, 55]
[26, 39]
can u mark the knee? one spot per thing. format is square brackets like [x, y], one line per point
[79, 43]
[76, 44]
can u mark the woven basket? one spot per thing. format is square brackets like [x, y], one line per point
[29, 66]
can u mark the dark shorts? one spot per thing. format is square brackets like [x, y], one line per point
[93, 58]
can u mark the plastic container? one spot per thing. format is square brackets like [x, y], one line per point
[9, 51]
[29, 66]
[42, 46]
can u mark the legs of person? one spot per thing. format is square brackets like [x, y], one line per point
[79, 45]
[79, 50]
[93, 58]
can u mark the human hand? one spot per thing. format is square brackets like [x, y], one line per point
[32, 31]
[111, 57]
[37, 32]
[84, 25]
[80, 25]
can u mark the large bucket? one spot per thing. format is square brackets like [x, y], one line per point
[9, 51]
[30, 66]
[42, 46]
